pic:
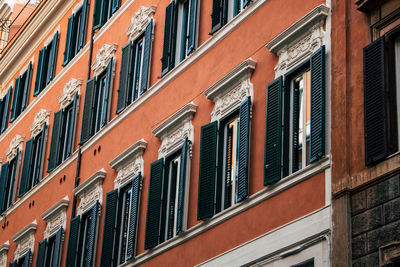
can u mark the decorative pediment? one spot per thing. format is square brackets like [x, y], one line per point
[15, 144]
[139, 21]
[56, 217]
[3, 253]
[90, 191]
[70, 89]
[25, 240]
[105, 53]
[41, 118]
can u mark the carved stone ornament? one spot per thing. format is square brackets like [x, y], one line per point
[15, 144]
[70, 89]
[105, 53]
[139, 21]
[41, 118]
[56, 217]
[25, 240]
[3, 253]
[90, 191]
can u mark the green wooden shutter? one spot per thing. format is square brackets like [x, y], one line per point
[146, 57]
[182, 186]
[208, 151]
[3, 182]
[91, 234]
[27, 171]
[236, 7]
[192, 26]
[39, 73]
[165, 60]
[53, 58]
[82, 26]
[243, 150]
[14, 109]
[317, 66]
[114, 6]
[41, 152]
[71, 129]
[295, 129]
[68, 44]
[109, 229]
[58, 248]
[13, 263]
[6, 106]
[217, 15]
[107, 92]
[54, 145]
[124, 77]
[246, 3]
[26, 87]
[73, 241]
[154, 204]
[41, 254]
[136, 181]
[286, 126]
[28, 258]
[87, 117]
[97, 14]
[273, 132]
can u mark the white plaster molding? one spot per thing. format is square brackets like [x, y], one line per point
[4, 92]
[25, 240]
[175, 129]
[139, 21]
[3, 253]
[25, 68]
[56, 217]
[77, 6]
[105, 53]
[50, 38]
[231, 90]
[15, 144]
[90, 191]
[70, 89]
[41, 118]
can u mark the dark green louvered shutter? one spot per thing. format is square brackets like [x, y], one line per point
[39, 72]
[71, 129]
[317, 66]
[246, 3]
[166, 58]
[107, 92]
[154, 204]
[41, 254]
[375, 102]
[27, 169]
[273, 132]
[182, 186]
[192, 26]
[14, 109]
[114, 6]
[136, 181]
[146, 57]
[27, 258]
[87, 117]
[6, 108]
[91, 234]
[53, 58]
[73, 241]
[26, 87]
[217, 15]
[58, 248]
[41, 150]
[3, 182]
[286, 126]
[83, 23]
[208, 151]
[109, 228]
[54, 144]
[124, 77]
[13, 263]
[68, 44]
[243, 150]
[97, 14]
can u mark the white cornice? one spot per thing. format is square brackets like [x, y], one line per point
[15, 145]
[41, 118]
[136, 150]
[4, 247]
[139, 21]
[72, 87]
[25, 231]
[90, 191]
[99, 176]
[60, 205]
[105, 53]
[56, 217]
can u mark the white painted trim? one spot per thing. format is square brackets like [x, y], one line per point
[103, 57]
[41, 118]
[139, 21]
[30, 227]
[90, 191]
[3, 253]
[14, 147]
[77, 6]
[51, 37]
[133, 151]
[61, 204]
[56, 217]
[25, 68]
[72, 87]
[5, 246]
[25, 240]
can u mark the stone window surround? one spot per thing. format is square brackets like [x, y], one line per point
[72, 87]
[50, 38]
[15, 145]
[103, 56]
[5, 90]
[25, 240]
[41, 118]
[25, 68]
[139, 21]
[56, 217]
[3, 253]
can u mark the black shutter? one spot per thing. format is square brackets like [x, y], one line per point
[146, 57]
[41, 254]
[317, 66]
[3, 182]
[182, 186]
[243, 150]
[41, 153]
[26, 87]
[107, 92]
[114, 6]
[91, 234]
[286, 126]
[28, 258]
[58, 248]
[68, 44]
[136, 181]
[295, 129]
[208, 151]
[6, 108]
[53, 58]
[73, 241]
[87, 117]
[15, 108]
[154, 204]
[97, 14]
[83, 23]
[217, 15]
[71, 129]
[124, 77]
[165, 60]
[192, 26]
[39, 73]
[27, 171]
[54, 145]
[109, 229]
[273, 132]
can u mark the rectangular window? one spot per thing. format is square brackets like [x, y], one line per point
[9, 172]
[224, 11]
[103, 10]
[21, 93]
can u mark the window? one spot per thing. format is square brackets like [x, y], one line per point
[21, 93]
[103, 10]
[179, 33]
[309, 263]
[295, 119]
[9, 172]
[224, 11]
[23, 261]
[224, 159]
[4, 108]
[122, 205]
[76, 32]
[135, 68]
[62, 139]
[46, 65]
[49, 250]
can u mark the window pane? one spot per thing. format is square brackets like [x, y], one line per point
[125, 223]
[136, 82]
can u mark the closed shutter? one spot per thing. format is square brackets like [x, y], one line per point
[286, 126]
[3, 182]
[109, 229]
[39, 73]
[58, 248]
[41, 254]
[71, 129]
[97, 14]
[83, 23]
[208, 149]
[114, 6]
[41, 153]
[53, 58]
[73, 241]
[87, 117]
[243, 150]
[54, 145]
[165, 60]
[273, 132]
[192, 26]
[146, 57]
[124, 77]
[13, 263]
[6, 107]
[91, 234]
[15, 108]
[136, 181]
[182, 187]
[26, 173]
[68, 44]
[107, 92]
[154, 204]
[217, 15]
[26, 87]
[28, 258]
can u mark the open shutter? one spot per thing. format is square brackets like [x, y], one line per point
[109, 228]
[58, 248]
[13, 263]
[217, 15]
[28, 258]
[208, 151]
[295, 129]
[273, 132]
[26, 173]
[286, 126]
[146, 57]
[136, 181]
[107, 92]
[317, 66]
[124, 77]
[39, 73]
[68, 44]
[182, 187]
[114, 6]
[87, 117]
[91, 234]
[41, 254]
[6, 108]
[244, 149]
[73, 241]
[26, 87]
[54, 145]
[83, 23]
[3, 181]
[154, 204]
[71, 129]
[53, 58]
[17, 88]
[41, 150]
[97, 14]
[165, 60]
[192, 26]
